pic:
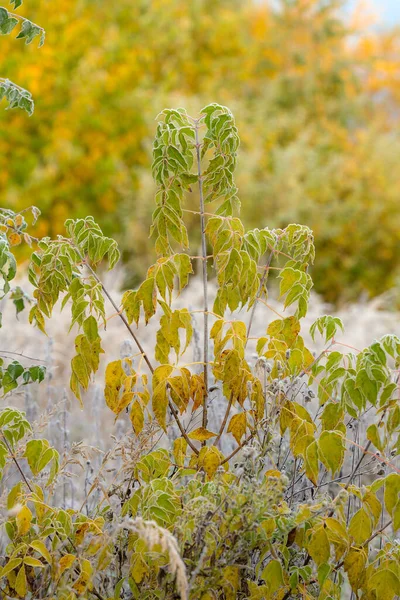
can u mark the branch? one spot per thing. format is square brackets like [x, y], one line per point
[221, 429]
[143, 353]
[10, 450]
[244, 443]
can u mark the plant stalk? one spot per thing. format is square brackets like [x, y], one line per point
[204, 270]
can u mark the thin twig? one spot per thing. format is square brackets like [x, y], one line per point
[14, 458]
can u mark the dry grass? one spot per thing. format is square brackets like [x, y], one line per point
[94, 424]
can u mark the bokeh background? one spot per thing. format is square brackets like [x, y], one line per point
[315, 88]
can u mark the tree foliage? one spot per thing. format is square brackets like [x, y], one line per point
[316, 101]
[296, 509]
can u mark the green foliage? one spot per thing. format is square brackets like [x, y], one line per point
[15, 374]
[16, 96]
[295, 508]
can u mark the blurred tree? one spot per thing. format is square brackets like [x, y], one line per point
[318, 117]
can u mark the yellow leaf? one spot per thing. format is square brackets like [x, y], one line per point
[65, 563]
[180, 389]
[160, 396]
[311, 462]
[273, 576]
[392, 491]
[137, 417]
[118, 389]
[231, 582]
[269, 526]
[318, 547]
[21, 584]
[273, 473]
[201, 434]
[354, 565]
[83, 583]
[209, 459]
[385, 584]
[39, 546]
[10, 566]
[179, 451]
[360, 527]
[24, 519]
[331, 450]
[197, 390]
[33, 562]
[237, 426]
[138, 568]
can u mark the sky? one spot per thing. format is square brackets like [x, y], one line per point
[388, 10]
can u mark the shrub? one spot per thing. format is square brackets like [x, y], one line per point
[296, 508]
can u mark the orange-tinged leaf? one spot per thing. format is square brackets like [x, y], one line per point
[118, 389]
[65, 563]
[237, 426]
[14, 239]
[197, 390]
[83, 583]
[81, 531]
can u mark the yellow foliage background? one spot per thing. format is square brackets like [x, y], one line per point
[316, 100]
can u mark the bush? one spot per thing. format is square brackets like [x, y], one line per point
[295, 509]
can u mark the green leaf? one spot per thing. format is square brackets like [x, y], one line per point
[331, 450]
[311, 462]
[273, 576]
[360, 528]
[392, 491]
[385, 584]
[374, 437]
[318, 547]
[160, 394]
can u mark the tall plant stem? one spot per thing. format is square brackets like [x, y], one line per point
[204, 268]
